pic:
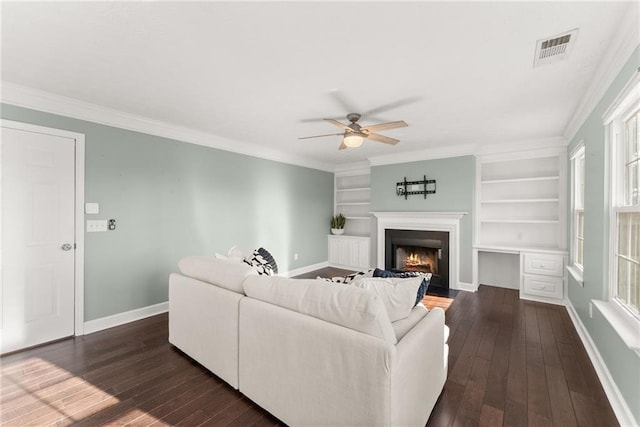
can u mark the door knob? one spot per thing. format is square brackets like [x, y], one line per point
[66, 247]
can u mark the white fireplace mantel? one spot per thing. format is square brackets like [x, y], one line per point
[423, 221]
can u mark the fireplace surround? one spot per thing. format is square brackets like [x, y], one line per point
[448, 222]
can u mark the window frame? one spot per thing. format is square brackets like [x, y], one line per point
[618, 203]
[622, 319]
[578, 189]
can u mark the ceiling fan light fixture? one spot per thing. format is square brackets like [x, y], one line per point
[353, 140]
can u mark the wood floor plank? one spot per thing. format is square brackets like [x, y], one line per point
[471, 404]
[490, 416]
[537, 391]
[559, 398]
[515, 414]
[511, 362]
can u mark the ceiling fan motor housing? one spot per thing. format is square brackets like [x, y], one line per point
[353, 117]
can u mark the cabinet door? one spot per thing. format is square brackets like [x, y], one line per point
[363, 255]
[545, 286]
[354, 253]
[545, 264]
[334, 251]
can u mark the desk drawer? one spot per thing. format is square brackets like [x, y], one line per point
[547, 264]
[545, 286]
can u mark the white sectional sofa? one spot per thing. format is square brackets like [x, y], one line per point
[310, 352]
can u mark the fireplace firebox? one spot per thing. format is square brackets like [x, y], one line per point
[419, 251]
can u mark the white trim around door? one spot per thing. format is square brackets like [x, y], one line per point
[79, 210]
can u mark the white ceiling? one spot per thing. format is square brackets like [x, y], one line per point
[256, 72]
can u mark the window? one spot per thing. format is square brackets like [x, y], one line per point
[577, 213]
[577, 209]
[626, 213]
[622, 307]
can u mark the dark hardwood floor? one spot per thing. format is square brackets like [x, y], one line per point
[511, 362]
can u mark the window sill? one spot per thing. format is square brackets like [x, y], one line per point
[627, 326]
[577, 274]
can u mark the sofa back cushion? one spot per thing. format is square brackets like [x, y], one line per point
[397, 295]
[347, 306]
[224, 273]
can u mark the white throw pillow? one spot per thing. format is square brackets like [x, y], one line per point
[398, 295]
[224, 273]
[234, 254]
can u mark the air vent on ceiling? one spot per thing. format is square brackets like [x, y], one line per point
[554, 49]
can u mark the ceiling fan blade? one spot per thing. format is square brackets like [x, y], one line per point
[320, 136]
[317, 119]
[382, 138]
[343, 100]
[337, 123]
[392, 105]
[385, 126]
[342, 146]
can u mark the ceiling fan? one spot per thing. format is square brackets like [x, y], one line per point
[354, 134]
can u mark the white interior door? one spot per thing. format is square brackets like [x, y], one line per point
[37, 255]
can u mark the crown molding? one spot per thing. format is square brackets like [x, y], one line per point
[480, 148]
[34, 99]
[626, 40]
[424, 154]
[552, 144]
[354, 168]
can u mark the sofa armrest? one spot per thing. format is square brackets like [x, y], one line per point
[307, 371]
[419, 370]
[203, 323]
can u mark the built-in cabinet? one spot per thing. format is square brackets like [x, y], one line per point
[543, 275]
[351, 252]
[352, 198]
[521, 210]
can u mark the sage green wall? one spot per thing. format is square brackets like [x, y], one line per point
[172, 199]
[455, 189]
[623, 364]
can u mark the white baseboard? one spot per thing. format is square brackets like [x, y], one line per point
[468, 287]
[303, 270]
[619, 405]
[126, 317]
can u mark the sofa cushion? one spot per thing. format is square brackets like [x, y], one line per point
[401, 327]
[398, 295]
[347, 306]
[424, 286]
[220, 272]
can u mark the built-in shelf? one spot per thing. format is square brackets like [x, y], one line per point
[353, 203]
[352, 198]
[522, 221]
[552, 200]
[510, 248]
[528, 179]
[339, 190]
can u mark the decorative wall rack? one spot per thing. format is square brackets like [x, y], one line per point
[425, 186]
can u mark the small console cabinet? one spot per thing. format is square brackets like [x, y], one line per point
[350, 252]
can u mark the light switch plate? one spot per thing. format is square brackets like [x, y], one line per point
[92, 208]
[96, 225]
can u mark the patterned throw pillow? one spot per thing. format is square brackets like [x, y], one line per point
[348, 278]
[424, 285]
[262, 261]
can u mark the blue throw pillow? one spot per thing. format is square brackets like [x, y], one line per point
[422, 289]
